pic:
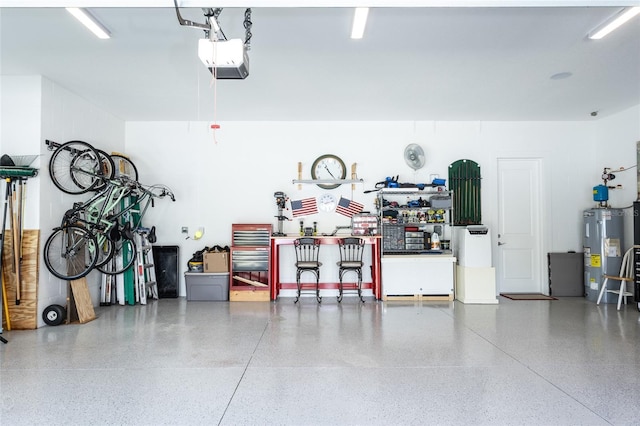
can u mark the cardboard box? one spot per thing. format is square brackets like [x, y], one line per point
[216, 262]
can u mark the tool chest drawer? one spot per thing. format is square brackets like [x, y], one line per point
[251, 237]
[250, 259]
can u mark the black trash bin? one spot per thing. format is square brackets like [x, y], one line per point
[165, 259]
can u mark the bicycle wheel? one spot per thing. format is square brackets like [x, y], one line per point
[123, 166]
[75, 167]
[124, 254]
[107, 169]
[70, 252]
[105, 250]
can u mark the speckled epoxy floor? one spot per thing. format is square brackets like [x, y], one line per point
[561, 362]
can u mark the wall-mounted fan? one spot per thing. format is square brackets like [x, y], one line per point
[414, 156]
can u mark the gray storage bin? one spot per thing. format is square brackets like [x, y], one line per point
[211, 286]
[440, 202]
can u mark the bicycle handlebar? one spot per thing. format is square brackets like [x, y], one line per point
[164, 192]
[153, 191]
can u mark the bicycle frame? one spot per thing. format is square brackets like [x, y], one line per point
[97, 218]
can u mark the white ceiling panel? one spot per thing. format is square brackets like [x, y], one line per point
[414, 63]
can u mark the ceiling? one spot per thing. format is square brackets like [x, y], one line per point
[414, 63]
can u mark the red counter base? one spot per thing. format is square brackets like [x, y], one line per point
[276, 285]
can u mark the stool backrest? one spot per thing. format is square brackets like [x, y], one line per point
[307, 249]
[351, 249]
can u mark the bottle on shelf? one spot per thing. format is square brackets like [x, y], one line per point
[435, 241]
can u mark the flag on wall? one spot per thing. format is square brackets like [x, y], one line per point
[348, 208]
[304, 207]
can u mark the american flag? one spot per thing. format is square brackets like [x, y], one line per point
[304, 207]
[348, 208]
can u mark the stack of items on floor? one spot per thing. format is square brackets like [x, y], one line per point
[208, 276]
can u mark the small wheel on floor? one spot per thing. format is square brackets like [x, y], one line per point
[54, 314]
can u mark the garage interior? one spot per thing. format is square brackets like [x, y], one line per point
[550, 118]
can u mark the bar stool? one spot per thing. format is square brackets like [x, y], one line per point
[351, 250]
[307, 251]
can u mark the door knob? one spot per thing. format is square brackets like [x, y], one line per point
[501, 243]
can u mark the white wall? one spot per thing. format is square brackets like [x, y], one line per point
[616, 148]
[20, 113]
[233, 180]
[65, 117]
[35, 109]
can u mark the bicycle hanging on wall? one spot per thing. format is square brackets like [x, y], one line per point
[90, 235]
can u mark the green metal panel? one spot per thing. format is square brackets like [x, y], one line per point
[134, 219]
[128, 276]
[8, 172]
[464, 181]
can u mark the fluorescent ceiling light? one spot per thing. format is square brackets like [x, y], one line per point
[90, 22]
[614, 22]
[359, 22]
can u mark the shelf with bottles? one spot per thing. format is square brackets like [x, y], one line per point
[389, 199]
[416, 238]
[416, 222]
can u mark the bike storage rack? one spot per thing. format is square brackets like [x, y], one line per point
[102, 233]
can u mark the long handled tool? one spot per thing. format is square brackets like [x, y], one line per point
[23, 198]
[4, 289]
[15, 232]
[10, 172]
[5, 305]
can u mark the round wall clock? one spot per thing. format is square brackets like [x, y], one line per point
[327, 202]
[328, 167]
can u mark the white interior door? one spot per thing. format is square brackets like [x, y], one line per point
[519, 260]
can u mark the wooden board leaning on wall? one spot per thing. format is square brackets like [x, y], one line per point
[23, 316]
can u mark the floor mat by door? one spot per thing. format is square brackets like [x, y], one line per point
[527, 296]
